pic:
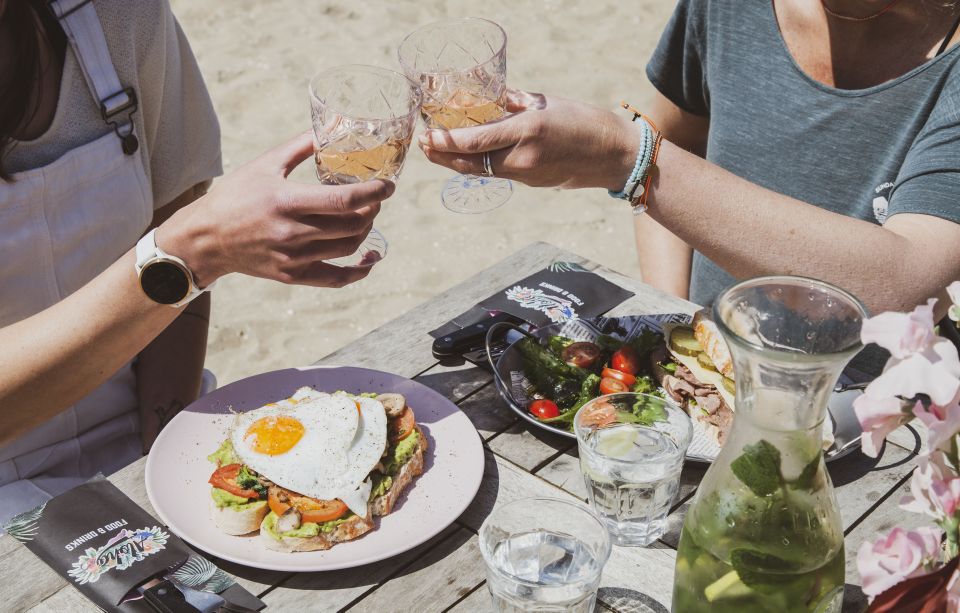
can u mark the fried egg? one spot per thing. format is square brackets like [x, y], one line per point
[316, 444]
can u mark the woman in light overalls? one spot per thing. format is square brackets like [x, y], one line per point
[106, 132]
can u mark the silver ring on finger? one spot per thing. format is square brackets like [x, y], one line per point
[487, 165]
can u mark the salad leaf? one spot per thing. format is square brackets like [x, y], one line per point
[247, 480]
[558, 343]
[588, 391]
[644, 385]
[649, 412]
[670, 367]
[645, 342]
[540, 356]
[608, 343]
[759, 468]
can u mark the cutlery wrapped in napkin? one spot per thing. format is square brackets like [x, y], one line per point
[120, 557]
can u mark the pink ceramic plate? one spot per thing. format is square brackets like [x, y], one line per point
[177, 469]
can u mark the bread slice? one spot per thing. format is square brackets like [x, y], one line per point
[352, 528]
[382, 505]
[239, 521]
[356, 526]
[712, 342]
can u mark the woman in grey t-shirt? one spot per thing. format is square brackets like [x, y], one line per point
[803, 137]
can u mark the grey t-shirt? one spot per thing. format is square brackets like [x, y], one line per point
[870, 154]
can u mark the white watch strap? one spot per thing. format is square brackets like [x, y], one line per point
[147, 250]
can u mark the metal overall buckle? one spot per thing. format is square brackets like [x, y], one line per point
[128, 140]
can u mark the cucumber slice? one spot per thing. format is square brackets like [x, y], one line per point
[704, 360]
[729, 385]
[684, 342]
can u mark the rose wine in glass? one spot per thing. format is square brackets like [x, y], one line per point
[461, 66]
[363, 120]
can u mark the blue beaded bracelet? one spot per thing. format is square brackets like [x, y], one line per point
[644, 157]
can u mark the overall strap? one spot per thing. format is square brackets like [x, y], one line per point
[82, 26]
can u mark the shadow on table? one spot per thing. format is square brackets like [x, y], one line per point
[455, 384]
[857, 464]
[623, 600]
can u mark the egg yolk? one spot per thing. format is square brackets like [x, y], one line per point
[274, 435]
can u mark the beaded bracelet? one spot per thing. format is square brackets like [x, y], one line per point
[637, 187]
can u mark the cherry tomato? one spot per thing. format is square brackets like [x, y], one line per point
[612, 373]
[544, 408]
[609, 385]
[311, 510]
[225, 478]
[581, 354]
[626, 360]
[400, 427]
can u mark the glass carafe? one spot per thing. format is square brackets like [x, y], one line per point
[764, 531]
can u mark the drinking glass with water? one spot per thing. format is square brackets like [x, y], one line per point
[631, 457]
[545, 555]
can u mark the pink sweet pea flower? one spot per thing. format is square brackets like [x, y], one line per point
[931, 491]
[899, 555]
[943, 423]
[953, 290]
[921, 362]
[878, 417]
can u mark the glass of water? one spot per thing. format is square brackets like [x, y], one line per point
[631, 452]
[544, 554]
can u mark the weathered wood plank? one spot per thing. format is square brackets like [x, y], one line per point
[528, 446]
[66, 599]
[879, 522]
[488, 412]
[441, 577]
[334, 590]
[477, 602]
[402, 346]
[455, 382]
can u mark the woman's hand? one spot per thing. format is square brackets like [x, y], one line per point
[546, 142]
[257, 222]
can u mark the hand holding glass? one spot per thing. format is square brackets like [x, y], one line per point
[363, 120]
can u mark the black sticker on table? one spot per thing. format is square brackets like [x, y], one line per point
[106, 546]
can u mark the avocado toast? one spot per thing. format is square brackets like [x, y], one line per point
[244, 500]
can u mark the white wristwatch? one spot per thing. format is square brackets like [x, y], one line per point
[164, 278]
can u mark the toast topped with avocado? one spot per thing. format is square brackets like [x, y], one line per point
[314, 470]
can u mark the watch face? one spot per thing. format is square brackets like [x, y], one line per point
[164, 282]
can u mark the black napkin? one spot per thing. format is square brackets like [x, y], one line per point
[558, 293]
[106, 546]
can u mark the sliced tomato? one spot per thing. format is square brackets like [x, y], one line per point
[544, 409]
[225, 478]
[619, 375]
[581, 354]
[311, 510]
[400, 427]
[609, 385]
[626, 360]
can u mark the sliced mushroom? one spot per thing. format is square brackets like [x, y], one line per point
[290, 520]
[393, 404]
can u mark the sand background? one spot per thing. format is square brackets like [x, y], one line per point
[257, 58]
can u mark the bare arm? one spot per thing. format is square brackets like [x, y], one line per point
[746, 229]
[169, 369]
[665, 260]
[254, 222]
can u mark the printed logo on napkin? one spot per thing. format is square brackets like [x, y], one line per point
[99, 540]
[121, 552]
[556, 294]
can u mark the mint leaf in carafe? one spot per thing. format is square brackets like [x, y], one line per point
[759, 468]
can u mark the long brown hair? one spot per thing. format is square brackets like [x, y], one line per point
[29, 26]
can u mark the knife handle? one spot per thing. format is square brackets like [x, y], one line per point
[469, 338]
[164, 597]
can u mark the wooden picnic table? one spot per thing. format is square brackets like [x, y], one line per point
[447, 572]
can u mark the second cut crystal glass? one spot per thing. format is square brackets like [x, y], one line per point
[461, 66]
[363, 120]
